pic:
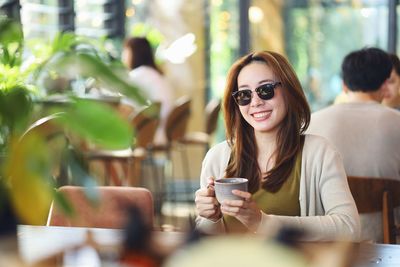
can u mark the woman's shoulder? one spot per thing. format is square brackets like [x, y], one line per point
[144, 71]
[216, 160]
[220, 149]
[217, 153]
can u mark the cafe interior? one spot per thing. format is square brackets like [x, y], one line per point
[83, 180]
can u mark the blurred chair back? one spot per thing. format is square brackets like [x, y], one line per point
[46, 127]
[203, 138]
[212, 110]
[109, 211]
[57, 142]
[125, 109]
[377, 195]
[178, 119]
[145, 124]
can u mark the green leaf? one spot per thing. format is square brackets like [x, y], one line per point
[15, 107]
[99, 123]
[27, 171]
[10, 32]
[87, 65]
[63, 203]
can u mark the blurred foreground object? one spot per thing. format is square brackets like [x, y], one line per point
[103, 206]
[236, 251]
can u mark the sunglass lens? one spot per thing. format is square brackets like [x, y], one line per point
[266, 91]
[243, 97]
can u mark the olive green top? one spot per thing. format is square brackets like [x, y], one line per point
[284, 202]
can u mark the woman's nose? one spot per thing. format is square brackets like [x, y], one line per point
[256, 100]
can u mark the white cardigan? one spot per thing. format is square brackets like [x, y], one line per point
[327, 208]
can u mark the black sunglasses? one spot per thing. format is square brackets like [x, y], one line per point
[265, 92]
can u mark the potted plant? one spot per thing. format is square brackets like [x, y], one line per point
[26, 185]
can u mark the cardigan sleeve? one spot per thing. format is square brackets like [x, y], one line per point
[213, 165]
[328, 208]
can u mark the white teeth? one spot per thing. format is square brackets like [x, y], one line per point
[260, 115]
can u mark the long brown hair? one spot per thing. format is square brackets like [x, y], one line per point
[240, 135]
[140, 53]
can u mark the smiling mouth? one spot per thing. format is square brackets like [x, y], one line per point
[262, 115]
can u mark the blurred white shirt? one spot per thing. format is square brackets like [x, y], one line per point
[157, 88]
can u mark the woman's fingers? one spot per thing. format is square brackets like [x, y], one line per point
[206, 200]
[206, 192]
[210, 181]
[243, 194]
[230, 209]
[204, 207]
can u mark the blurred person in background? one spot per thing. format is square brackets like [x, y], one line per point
[366, 133]
[137, 55]
[295, 179]
[393, 99]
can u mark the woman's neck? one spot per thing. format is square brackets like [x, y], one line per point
[266, 145]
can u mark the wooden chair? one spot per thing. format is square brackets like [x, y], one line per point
[176, 126]
[177, 122]
[211, 111]
[56, 140]
[377, 195]
[144, 124]
[175, 130]
[106, 211]
[45, 126]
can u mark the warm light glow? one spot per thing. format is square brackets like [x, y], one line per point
[130, 12]
[136, 2]
[97, 22]
[225, 15]
[216, 2]
[366, 12]
[256, 15]
[180, 49]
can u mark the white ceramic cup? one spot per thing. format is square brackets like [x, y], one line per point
[223, 188]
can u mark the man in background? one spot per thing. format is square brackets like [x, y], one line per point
[365, 132]
[393, 100]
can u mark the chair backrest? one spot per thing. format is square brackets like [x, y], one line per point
[109, 211]
[178, 119]
[125, 109]
[56, 141]
[145, 124]
[46, 127]
[212, 110]
[377, 195]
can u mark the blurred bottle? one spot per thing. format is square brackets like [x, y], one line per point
[137, 247]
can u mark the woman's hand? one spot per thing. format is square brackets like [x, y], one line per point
[206, 204]
[246, 210]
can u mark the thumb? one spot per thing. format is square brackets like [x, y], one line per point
[210, 181]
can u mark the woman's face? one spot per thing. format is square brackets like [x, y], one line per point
[393, 85]
[126, 56]
[262, 115]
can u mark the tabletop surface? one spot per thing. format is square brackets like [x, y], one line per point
[38, 242]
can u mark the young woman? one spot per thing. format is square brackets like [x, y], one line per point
[295, 180]
[137, 55]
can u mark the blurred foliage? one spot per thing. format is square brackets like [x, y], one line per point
[27, 75]
[316, 42]
[11, 40]
[154, 36]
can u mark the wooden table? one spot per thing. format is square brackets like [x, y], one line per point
[39, 242]
[36, 243]
[379, 255]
